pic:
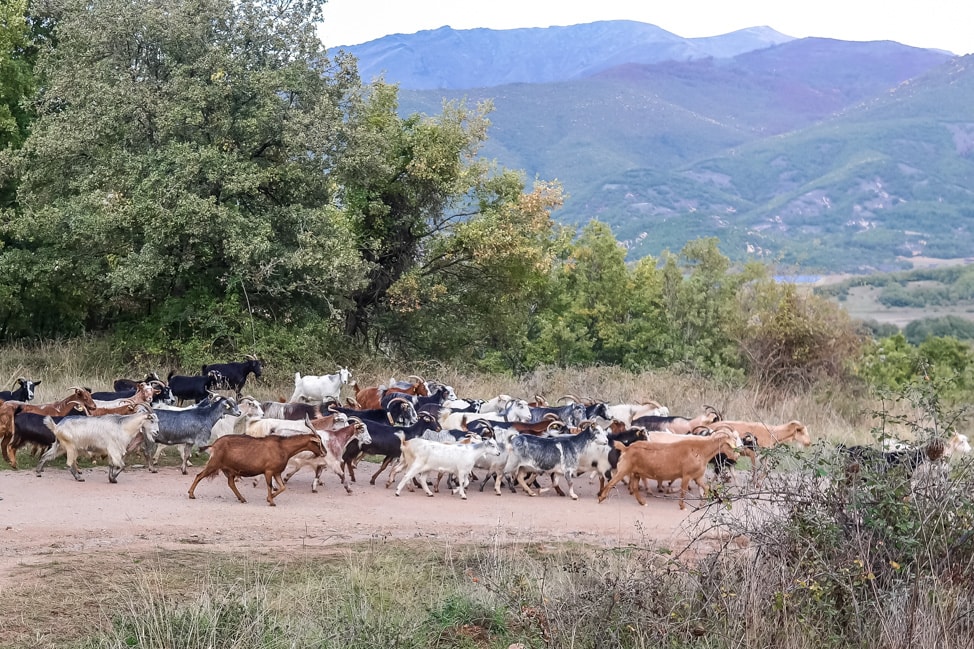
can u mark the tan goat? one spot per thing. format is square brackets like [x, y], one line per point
[684, 459]
[768, 436]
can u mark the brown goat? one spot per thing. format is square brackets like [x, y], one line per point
[768, 436]
[79, 399]
[685, 459]
[8, 409]
[244, 456]
[371, 398]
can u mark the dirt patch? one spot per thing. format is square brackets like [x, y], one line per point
[43, 518]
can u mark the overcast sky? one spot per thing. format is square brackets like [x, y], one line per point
[943, 24]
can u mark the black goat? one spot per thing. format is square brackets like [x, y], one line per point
[385, 443]
[193, 388]
[234, 375]
[24, 391]
[122, 385]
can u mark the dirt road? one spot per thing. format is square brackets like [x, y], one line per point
[41, 517]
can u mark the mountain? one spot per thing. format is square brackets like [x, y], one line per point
[813, 152]
[447, 58]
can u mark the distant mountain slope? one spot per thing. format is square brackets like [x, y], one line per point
[447, 58]
[666, 115]
[892, 176]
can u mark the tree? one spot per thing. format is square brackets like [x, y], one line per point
[791, 339]
[699, 297]
[199, 161]
[474, 295]
[21, 35]
[182, 153]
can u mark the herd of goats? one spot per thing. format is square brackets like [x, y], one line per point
[418, 429]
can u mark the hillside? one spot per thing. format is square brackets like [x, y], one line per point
[818, 153]
[892, 176]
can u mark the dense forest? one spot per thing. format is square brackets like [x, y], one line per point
[199, 180]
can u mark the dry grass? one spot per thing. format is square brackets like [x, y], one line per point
[831, 415]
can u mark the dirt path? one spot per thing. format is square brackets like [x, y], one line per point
[53, 514]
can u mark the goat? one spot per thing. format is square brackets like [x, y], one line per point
[294, 410]
[767, 436]
[336, 441]
[385, 444]
[398, 412]
[144, 394]
[112, 435]
[370, 398]
[685, 459]
[554, 455]
[678, 425]
[79, 399]
[512, 410]
[421, 455]
[8, 413]
[155, 392]
[120, 385]
[248, 407]
[193, 388]
[602, 460]
[627, 412]
[234, 375]
[192, 427]
[24, 391]
[326, 387]
[242, 456]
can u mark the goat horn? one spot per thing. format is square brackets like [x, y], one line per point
[714, 411]
[650, 402]
[570, 397]
[419, 379]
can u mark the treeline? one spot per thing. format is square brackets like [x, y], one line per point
[921, 287]
[196, 180]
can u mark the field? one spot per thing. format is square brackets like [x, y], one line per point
[863, 305]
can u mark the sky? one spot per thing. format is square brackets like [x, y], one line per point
[941, 24]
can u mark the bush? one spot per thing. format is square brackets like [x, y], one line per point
[864, 553]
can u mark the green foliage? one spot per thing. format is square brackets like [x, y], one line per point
[953, 326]
[180, 150]
[893, 363]
[888, 363]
